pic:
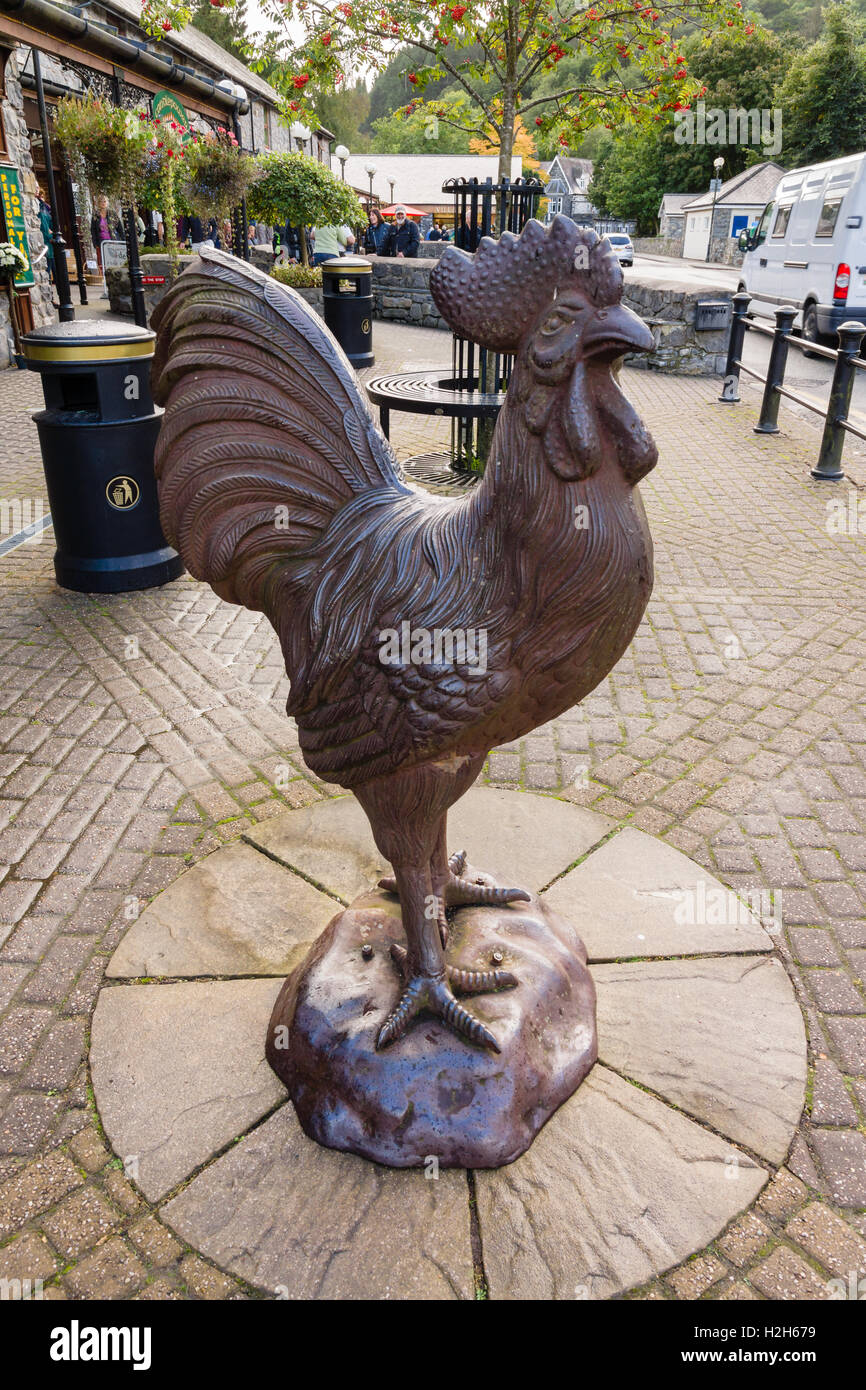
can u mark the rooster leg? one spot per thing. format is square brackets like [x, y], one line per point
[423, 968]
[453, 890]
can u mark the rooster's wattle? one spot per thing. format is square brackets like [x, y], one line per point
[278, 489]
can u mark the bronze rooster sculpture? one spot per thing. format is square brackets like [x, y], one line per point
[278, 489]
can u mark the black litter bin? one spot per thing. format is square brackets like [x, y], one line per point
[97, 435]
[347, 291]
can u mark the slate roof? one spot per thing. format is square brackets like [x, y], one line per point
[752, 188]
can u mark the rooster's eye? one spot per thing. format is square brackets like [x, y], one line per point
[554, 322]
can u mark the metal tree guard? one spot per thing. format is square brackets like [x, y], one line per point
[483, 209]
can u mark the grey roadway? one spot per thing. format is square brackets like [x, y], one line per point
[810, 377]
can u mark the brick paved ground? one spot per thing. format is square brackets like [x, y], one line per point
[137, 733]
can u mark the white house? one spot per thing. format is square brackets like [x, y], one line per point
[418, 178]
[738, 202]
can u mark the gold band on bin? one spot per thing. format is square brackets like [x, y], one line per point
[78, 352]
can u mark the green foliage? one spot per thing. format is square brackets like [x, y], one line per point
[392, 88]
[633, 169]
[300, 190]
[300, 277]
[823, 96]
[344, 113]
[422, 132]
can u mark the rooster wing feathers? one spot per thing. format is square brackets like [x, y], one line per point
[279, 491]
[266, 434]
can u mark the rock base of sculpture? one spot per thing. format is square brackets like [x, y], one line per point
[431, 1094]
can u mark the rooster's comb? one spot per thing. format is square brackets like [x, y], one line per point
[493, 296]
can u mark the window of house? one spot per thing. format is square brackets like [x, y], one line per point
[827, 217]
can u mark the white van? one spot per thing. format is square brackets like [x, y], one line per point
[809, 248]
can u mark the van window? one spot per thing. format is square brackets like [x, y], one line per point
[763, 225]
[827, 217]
[783, 216]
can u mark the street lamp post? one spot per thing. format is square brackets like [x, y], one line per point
[391, 186]
[370, 170]
[718, 163]
[342, 154]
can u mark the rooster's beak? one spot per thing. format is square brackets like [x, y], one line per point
[615, 331]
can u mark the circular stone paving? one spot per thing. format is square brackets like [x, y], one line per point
[690, 1108]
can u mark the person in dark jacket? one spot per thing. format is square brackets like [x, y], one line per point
[377, 235]
[434, 233]
[405, 236]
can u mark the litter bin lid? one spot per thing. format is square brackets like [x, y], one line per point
[87, 340]
[347, 265]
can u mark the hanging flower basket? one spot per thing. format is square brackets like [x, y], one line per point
[217, 175]
[104, 143]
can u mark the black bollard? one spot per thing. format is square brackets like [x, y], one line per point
[829, 465]
[768, 423]
[731, 388]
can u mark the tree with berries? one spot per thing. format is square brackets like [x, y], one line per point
[492, 53]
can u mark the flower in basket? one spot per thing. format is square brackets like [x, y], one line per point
[13, 261]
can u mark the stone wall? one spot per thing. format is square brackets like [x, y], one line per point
[725, 251]
[401, 291]
[658, 245]
[18, 146]
[670, 312]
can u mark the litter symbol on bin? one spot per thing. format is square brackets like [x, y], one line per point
[122, 493]
[365, 326]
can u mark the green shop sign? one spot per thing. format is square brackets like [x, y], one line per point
[13, 214]
[166, 107]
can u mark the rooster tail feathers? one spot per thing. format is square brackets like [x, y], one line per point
[266, 433]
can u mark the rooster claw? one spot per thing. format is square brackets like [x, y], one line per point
[435, 995]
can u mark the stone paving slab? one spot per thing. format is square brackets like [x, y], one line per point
[525, 840]
[722, 1039]
[180, 1071]
[616, 1188]
[627, 897]
[236, 913]
[306, 1222]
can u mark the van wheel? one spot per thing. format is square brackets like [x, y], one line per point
[809, 331]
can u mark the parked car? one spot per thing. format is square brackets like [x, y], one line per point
[809, 248]
[623, 249]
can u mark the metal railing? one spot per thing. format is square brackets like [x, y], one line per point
[835, 414]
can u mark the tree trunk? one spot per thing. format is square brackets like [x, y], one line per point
[302, 238]
[506, 139]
